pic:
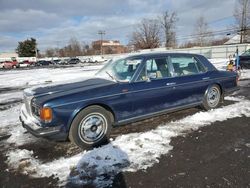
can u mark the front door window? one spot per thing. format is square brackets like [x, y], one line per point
[155, 68]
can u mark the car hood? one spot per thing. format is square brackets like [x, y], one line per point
[67, 88]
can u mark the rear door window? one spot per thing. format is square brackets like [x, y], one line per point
[186, 65]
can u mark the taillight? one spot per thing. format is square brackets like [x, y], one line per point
[46, 114]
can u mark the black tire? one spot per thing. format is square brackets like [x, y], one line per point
[80, 130]
[213, 97]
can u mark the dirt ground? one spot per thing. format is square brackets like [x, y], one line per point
[214, 156]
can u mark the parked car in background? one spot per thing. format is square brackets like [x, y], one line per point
[56, 61]
[28, 62]
[74, 61]
[9, 64]
[43, 63]
[245, 60]
[62, 62]
[96, 59]
[1, 64]
[25, 63]
[86, 60]
[124, 90]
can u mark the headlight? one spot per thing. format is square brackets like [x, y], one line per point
[46, 114]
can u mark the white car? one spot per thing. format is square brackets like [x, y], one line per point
[97, 59]
[23, 64]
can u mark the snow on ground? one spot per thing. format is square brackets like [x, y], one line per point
[11, 96]
[24, 78]
[245, 74]
[9, 117]
[130, 152]
[10, 123]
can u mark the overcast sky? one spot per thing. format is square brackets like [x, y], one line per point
[54, 22]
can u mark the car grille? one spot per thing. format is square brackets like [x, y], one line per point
[35, 110]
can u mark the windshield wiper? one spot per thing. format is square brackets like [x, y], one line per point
[112, 77]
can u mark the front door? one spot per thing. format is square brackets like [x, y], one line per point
[154, 90]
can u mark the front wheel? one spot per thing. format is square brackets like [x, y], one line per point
[91, 127]
[212, 97]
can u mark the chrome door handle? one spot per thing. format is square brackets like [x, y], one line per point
[206, 78]
[170, 84]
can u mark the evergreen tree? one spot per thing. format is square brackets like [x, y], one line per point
[27, 48]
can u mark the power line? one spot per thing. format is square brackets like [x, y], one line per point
[218, 32]
[102, 33]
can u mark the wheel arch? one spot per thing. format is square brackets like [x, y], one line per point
[219, 85]
[222, 92]
[78, 110]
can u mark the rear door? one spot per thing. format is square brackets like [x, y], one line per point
[191, 77]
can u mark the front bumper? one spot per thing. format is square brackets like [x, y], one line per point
[34, 127]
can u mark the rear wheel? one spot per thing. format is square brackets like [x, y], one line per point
[212, 97]
[91, 127]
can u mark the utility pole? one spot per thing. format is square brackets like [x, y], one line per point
[101, 32]
[36, 53]
[243, 21]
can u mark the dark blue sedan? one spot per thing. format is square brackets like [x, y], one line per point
[125, 90]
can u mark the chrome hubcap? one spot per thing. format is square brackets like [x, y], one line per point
[213, 97]
[92, 128]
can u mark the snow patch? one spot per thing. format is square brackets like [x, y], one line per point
[23, 161]
[9, 117]
[245, 74]
[11, 96]
[45, 76]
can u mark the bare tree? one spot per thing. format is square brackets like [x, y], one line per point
[202, 33]
[242, 18]
[74, 48]
[51, 52]
[168, 21]
[147, 35]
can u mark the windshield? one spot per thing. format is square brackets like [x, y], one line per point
[120, 69]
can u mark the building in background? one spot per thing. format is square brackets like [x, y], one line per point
[108, 47]
[236, 39]
[8, 56]
[11, 56]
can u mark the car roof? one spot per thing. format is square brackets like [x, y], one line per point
[155, 54]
